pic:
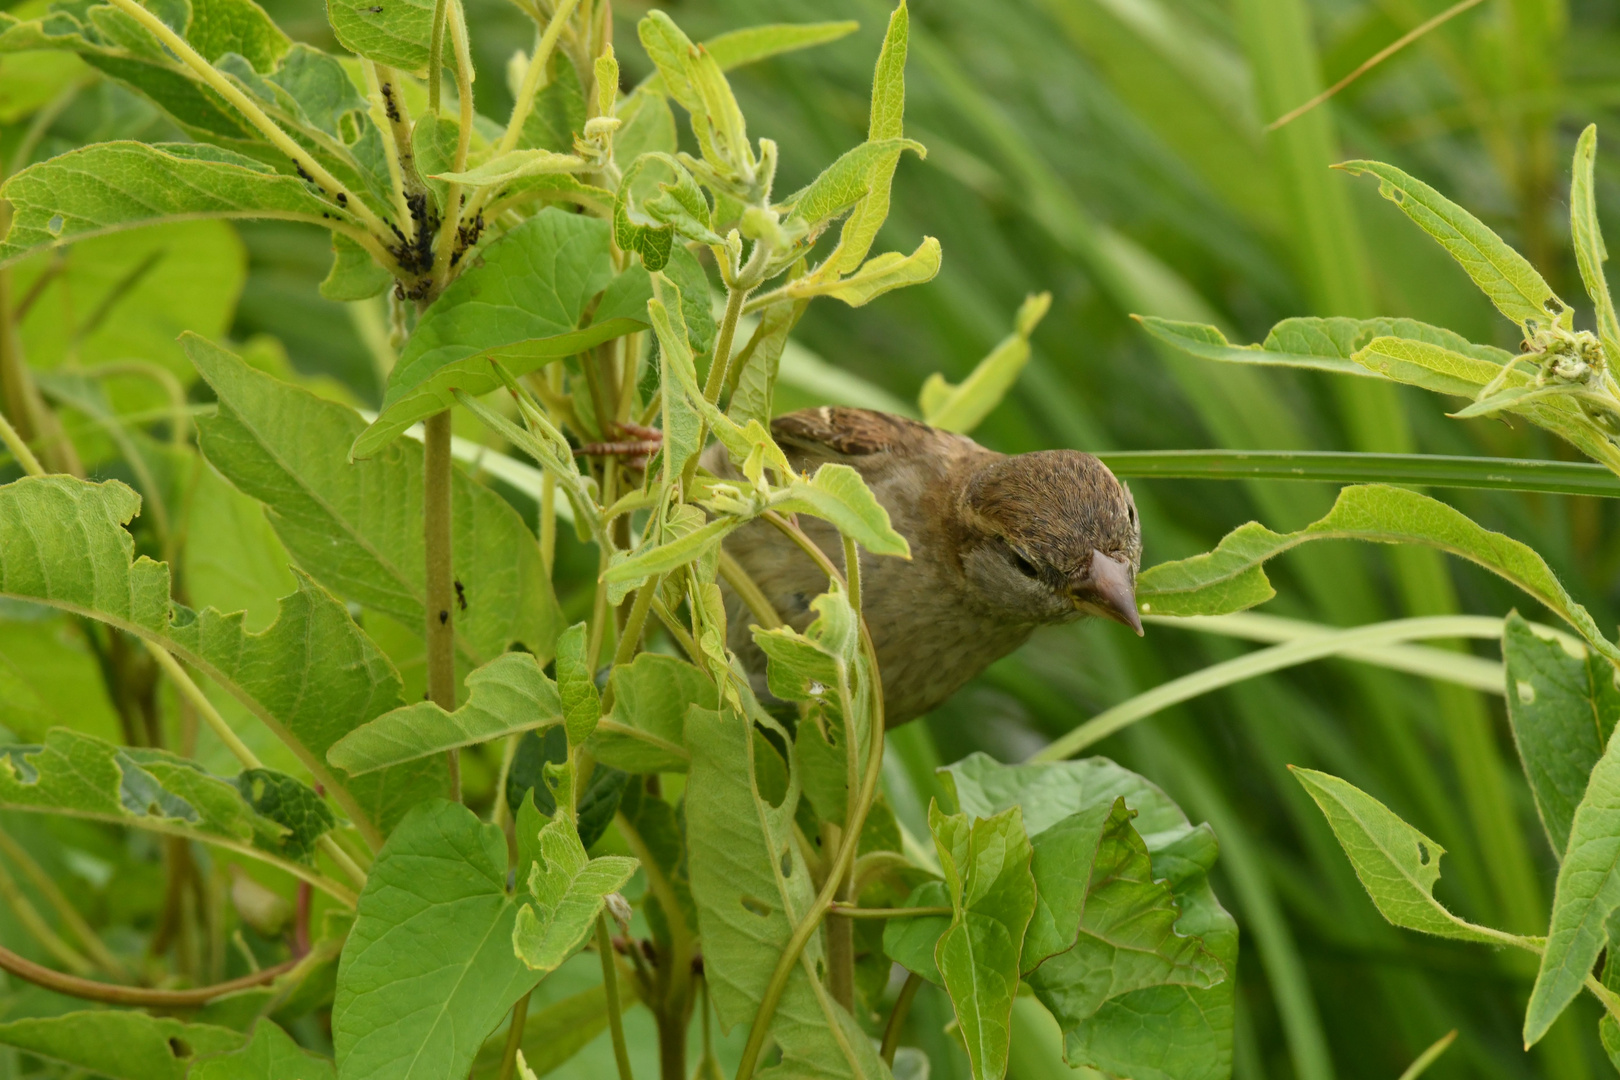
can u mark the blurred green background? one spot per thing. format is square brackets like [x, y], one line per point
[1112, 152]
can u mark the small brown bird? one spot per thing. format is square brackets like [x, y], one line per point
[999, 546]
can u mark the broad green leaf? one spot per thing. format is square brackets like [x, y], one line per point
[1590, 251]
[849, 179]
[986, 864]
[836, 493]
[1512, 284]
[270, 1055]
[1127, 939]
[819, 663]
[515, 165]
[120, 185]
[355, 275]
[576, 684]
[568, 889]
[233, 560]
[1396, 863]
[310, 677]
[236, 26]
[523, 305]
[357, 527]
[962, 408]
[1563, 709]
[510, 694]
[1229, 578]
[76, 775]
[1584, 900]
[645, 731]
[531, 772]
[663, 558]
[876, 276]
[1324, 344]
[131, 294]
[428, 970]
[665, 861]
[752, 44]
[1430, 365]
[396, 34]
[751, 887]
[1191, 1033]
[118, 1043]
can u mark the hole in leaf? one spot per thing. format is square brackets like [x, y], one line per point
[787, 862]
[770, 766]
[54, 226]
[1423, 853]
[1526, 691]
[756, 907]
[180, 1048]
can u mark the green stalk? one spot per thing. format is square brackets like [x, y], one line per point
[514, 1037]
[35, 924]
[897, 1016]
[441, 637]
[610, 983]
[19, 449]
[93, 945]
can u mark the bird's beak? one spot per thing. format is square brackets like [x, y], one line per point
[1108, 590]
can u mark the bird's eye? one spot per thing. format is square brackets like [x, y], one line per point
[1025, 567]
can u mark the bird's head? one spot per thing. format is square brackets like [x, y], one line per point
[1049, 536]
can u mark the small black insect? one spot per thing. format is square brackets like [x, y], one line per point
[444, 617]
[461, 595]
[375, 10]
[302, 173]
[343, 198]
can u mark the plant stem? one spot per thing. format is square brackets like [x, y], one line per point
[435, 73]
[532, 83]
[633, 625]
[610, 983]
[897, 1018]
[93, 945]
[514, 1037]
[441, 635]
[849, 911]
[748, 589]
[548, 521]
[673, 626]
[839, 933]
[852, 572]
[193, 693]
[138, 996]
[19, 449]
[735, 297]
[449, 226]
[32, 921]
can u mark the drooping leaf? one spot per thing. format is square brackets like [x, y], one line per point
[510, 694]
[962, 408]
[1563, 709]
[750, 45]
[836, 493]
[1396, 863]
[881, 274]
[428, 970]
[1584, 900]
[118, 1043]
[119, 185]
[1512, 284]
[645, 731]
[352, 526]
[311, 676]
[751, 886]
[1230, 578]
[270, 1055]
[1323, 344]
[567, 889]
[986, 864]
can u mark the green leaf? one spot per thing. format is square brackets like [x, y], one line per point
[836, 493]
[394, 33]
[751, 887]
[568, 890]
[1431, 366]
[120, 185]
[1584, 900]
[236, 26]
[233, 560]
[692, 78]
[119, 1044]
[76, 775]
[876, 276]
[849, 179]
[757, 365]
[986, 864]
[356, 527]
[1323, 344]
[662, 558]
[532, 772]
[310, 677]
[554, 1034]
[510, 694]
[576, 683]
[645, 731]
[428, 970]
[752, 44]
[1396, 863]
[515, 165]
[962, 408]
[887, 121]
[1504, 275]
[1229, 578]
[270, 1055]
[1590, 251]
[355, 275]
[1563, 709]
[817, 664]
[523, 305]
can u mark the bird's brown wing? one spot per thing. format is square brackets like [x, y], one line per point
[834, 431]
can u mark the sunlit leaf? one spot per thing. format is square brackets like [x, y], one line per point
[963, 407]
[645, 731]
[118, 1043]
[876, 276]
[270, 1055]
[394, 33]
[1590, 251]
[567, 889]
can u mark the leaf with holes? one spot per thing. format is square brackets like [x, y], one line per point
[567, 888]
[119, 1044]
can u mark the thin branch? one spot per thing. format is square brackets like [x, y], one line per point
[610, 982]
[440, 575]
[19, 449]
[98, 950]
[897, 1018]
[1373, 61]
[138, 996]
[32, 921]
[849, 911]
[193, 693]
[514, 1038]
[753, 597]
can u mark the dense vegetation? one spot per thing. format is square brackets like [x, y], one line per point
[237, 270]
